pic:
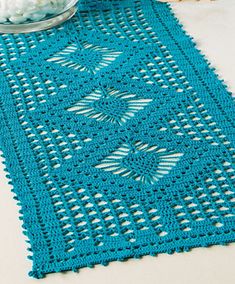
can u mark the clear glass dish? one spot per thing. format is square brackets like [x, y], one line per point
[49, 20]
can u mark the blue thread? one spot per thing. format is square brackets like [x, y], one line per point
[117, 136]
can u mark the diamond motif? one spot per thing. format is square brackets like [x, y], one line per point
[140, 161]
[87, 57]
[110, 105]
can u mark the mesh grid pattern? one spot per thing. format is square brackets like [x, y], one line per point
[118, 138]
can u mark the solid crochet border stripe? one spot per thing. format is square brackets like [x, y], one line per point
[117, 136]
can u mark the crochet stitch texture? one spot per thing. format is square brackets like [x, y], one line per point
[118, 138]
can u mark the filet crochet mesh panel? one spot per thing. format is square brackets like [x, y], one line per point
[118, 137]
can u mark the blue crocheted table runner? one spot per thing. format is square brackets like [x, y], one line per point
[118, 138]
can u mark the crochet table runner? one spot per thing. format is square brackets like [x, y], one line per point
[118, 138]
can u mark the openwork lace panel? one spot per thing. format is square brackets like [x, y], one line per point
[118, 138]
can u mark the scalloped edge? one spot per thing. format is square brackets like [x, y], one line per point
[41, 274]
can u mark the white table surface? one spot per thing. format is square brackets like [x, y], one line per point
[213, 27]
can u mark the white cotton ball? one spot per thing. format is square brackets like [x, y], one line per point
[17, 19]
[37, 16]
[2, 20]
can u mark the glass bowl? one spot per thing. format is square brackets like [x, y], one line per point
[48, 19]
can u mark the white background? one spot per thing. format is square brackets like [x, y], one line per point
[213, 27]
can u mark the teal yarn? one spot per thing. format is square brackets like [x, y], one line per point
[118, 138]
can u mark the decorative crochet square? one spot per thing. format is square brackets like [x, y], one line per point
[118, 138]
